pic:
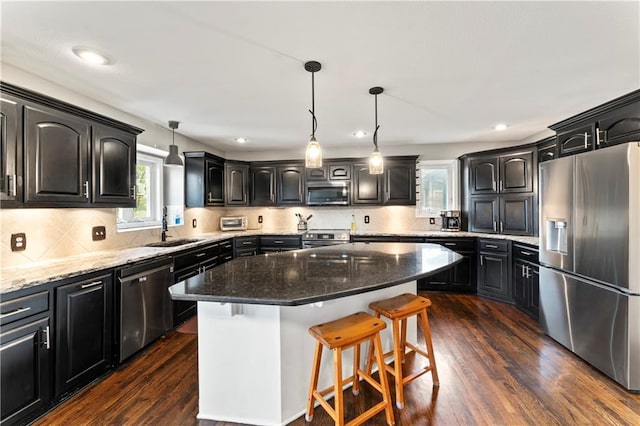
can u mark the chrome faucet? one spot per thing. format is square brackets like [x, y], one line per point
[163, 235]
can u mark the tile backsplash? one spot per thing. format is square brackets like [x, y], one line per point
[57, 233]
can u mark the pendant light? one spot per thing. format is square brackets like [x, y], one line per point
[313, 155]
[376, 163]
[173, 159]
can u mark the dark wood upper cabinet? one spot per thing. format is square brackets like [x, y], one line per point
[236, 184]
[317, 173]
[263, 186]
[619, 126]
[483, 175]
[11, 150]
[516, 172]
[57, 157]
[547, 149]
[576, 140]
[340, 171]
[400, 182]
[114, 166]
[516, 215]
[366, 188]
[483, 214]
[290, 185]
[204, 179]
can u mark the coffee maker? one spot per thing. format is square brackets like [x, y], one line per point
[450, 220]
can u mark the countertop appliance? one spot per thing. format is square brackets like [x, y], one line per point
[144, 305]
[325, 237]
[233, 223]
[450, 220]
[328, 193]
[590, 258]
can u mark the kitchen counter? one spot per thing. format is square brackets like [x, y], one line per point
[314, 275]
[39, 273]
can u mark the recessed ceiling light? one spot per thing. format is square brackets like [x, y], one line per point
[91, 56]
[360, 134]
[500, 127]
[241, 140]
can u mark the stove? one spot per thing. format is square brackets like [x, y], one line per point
[325, 237]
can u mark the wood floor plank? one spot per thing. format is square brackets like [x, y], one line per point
[495, 365]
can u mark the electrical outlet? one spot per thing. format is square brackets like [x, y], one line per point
[18, 242]
[98, 233]
[432, 221]
[366, 219]
[259, 219]
[194, 223]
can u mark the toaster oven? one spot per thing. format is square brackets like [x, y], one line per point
[233, 223]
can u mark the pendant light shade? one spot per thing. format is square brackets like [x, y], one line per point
[376, 162]
[173, 159]
[313, 155]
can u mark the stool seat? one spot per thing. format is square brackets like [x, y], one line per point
[347, 331]
[337, 335]
[398, 309]
[399, 306]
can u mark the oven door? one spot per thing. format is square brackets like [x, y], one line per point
[328, 194]
[313, 244]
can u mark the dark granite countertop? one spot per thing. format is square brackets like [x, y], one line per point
[313, 275]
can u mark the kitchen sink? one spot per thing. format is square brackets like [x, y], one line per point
[174, 243]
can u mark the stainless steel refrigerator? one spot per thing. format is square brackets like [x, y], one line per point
[590, 258]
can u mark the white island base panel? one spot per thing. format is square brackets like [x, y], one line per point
[254, 361]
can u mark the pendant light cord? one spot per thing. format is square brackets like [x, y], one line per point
[375, 133]
[314, 122]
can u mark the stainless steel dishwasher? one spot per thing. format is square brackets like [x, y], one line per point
[144, 303]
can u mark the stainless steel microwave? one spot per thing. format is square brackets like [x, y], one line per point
[328, 193]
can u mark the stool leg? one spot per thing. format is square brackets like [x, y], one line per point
[315, 371]
[384, 381]
[397, 364]
[370, 355]
[337, 386]
[403, 339]
[355, 389]
[427, 338]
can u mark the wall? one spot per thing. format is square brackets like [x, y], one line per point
[56, 233]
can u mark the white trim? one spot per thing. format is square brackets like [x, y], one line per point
[453, 187]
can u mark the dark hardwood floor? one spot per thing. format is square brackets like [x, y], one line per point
[495, 367]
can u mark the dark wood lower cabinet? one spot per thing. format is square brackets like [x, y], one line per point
[494, 265]
[84, 338]
[461, 277]
[526, 279]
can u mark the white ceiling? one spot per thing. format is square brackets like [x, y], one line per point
[450, 70]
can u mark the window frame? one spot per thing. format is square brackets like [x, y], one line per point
[453, 186]
[125, 220]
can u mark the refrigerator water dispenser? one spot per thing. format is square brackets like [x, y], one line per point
[557, 235]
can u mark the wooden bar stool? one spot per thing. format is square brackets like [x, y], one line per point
[342, 334]
[398, 309]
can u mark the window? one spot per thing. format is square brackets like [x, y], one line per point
[437, 187]
[148, 210]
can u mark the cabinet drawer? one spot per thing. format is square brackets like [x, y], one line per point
[226, 246]
[454, 243]
[245, 242]
[194, 257]
[279, 241]
[23, 307]
[494, 245]
[525, 252]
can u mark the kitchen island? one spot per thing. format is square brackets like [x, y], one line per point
[254, 352]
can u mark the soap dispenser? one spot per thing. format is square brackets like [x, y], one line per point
[353, 222]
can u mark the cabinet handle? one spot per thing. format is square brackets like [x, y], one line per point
[450, 244]
[494, 226]
[247, 243]
[209, 199]
[93, 284]
[46, 342]
[501, 185]
[14, 312]
[586, 135]
[201, 254]
[12, 188]
[491, 246]
[86, 188]
[481, 264]
[523, 274]
[133, 192]
[278, 242]
[501, 227]
[528, 272]
[526, 253]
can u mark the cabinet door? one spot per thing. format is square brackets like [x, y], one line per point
[214, 187]
[25, 370]
[400, 183]
[547, 151]
[619, 126]
[534, 294]
[483, 214]
[577, 140]
[114, 167]
[11, 149]
[520, 284]
[263, 186]
[437, 282]
[516, 172]
[84, 330]
[339, 171]
[290, 185]
[236, 184]
[483, 175]
[56, 148]
[516, 214]
[317, 174]
[367, 188]
[462, 274]
[493, 275]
